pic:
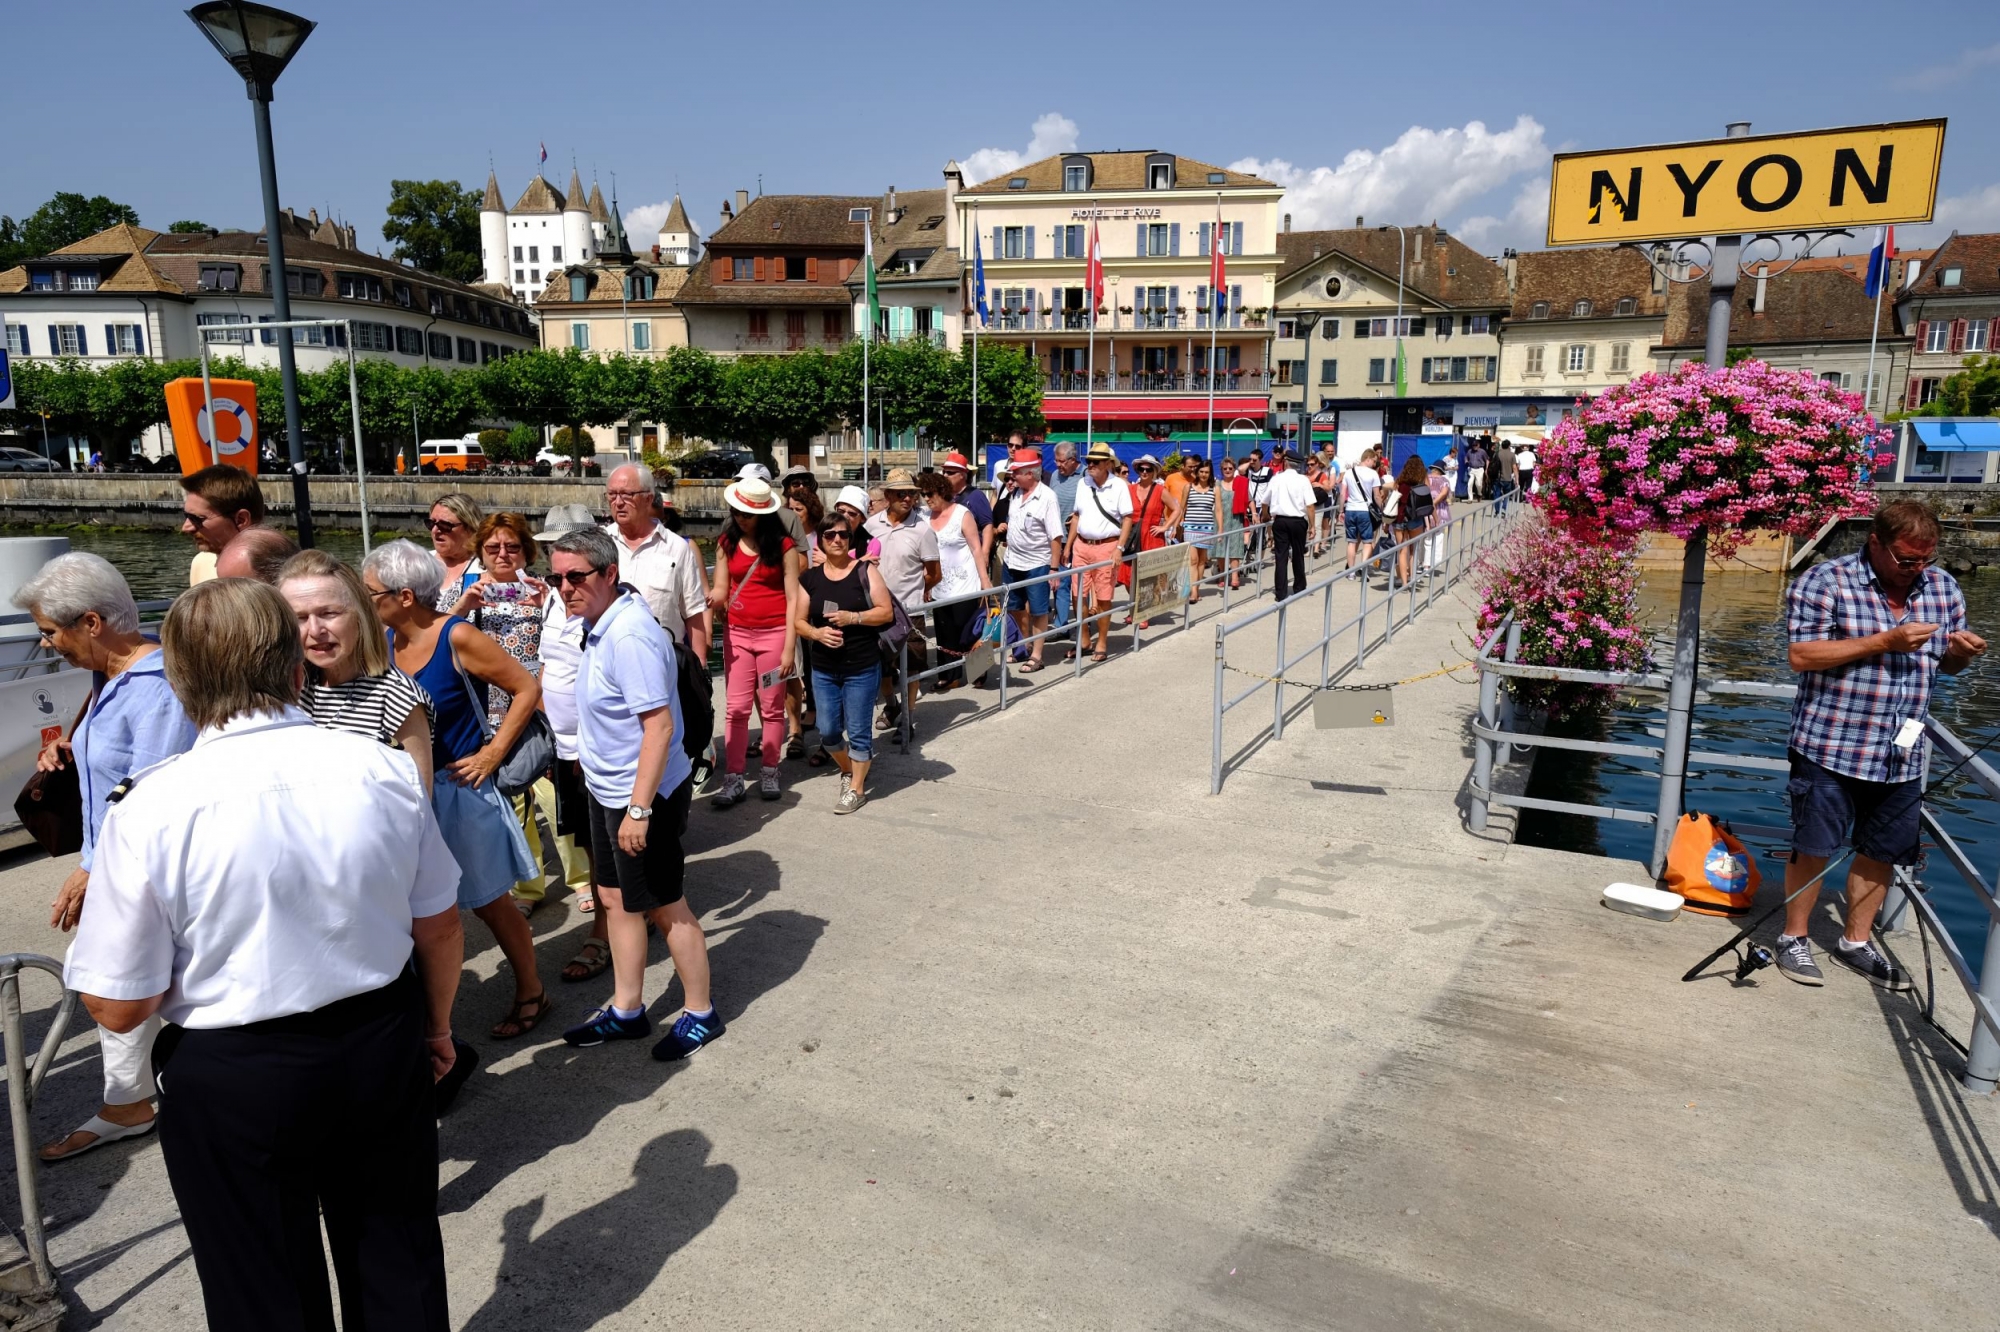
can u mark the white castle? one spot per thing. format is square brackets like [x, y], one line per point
[547, 229]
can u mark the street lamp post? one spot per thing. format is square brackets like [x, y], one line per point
[258, 42]
[1307, 321]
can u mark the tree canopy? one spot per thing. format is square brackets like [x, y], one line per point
[63, 220]
[1973, 391]
[434, 224]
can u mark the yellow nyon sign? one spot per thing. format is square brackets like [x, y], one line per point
[1863, 176]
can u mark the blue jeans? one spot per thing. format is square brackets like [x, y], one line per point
[1061, 618]
[846, 708]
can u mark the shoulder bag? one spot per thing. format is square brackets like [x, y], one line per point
[533, 751]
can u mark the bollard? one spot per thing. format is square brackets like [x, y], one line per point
[1215, 730]
[1482, 748]
[1982, 1059]
[1361, 620]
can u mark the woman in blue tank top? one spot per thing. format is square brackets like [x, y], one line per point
[440, 652]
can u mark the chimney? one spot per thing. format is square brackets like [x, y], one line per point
[742, 201]
[1763, 276]
[893, 215]
[313, 213]
[954, 181]
[1288, 223]
[1513, 270]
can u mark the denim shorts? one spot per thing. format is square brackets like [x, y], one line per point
[1360, 527]
[845, 704]
[1035, 597]
[1829, 808]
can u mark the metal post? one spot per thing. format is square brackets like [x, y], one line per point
[1504, 754]
[903, 705]
[1326, 633]
[1361, 621]
[1482, 748]
[281, 313]
[360, 459]
[1982, 1059]
[19, 1098]
[1215, 729]
[207, 408]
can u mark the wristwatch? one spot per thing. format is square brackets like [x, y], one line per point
[638, 811]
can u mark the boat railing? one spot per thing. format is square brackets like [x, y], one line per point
[24, 1084]
[40, 659]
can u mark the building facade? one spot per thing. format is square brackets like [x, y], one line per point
[1144, 373]
[1581, 321]
[919, 279]
[1950, 309]
[774, 275]
[545, 229]
[1348, 298]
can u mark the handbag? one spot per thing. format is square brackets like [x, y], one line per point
[1708, 866]
[533, 751]
[50, 807]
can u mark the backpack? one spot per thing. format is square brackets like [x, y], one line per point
[1422, 502]
[697, 699]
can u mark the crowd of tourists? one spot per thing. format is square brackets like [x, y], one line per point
[293, 790]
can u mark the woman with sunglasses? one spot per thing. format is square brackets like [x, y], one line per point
[454, 527]
[842, 605]
[457, 667]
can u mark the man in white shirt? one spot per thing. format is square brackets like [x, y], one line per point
[1099, 523]
[662, 566]
[1524, 467]
[640, 781]
[1357, 493]
[1034, 526]
[267, 893]
[1289, 499]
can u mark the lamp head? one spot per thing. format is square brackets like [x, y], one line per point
[258, 40]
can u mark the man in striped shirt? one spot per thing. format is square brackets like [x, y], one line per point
[1869, 634]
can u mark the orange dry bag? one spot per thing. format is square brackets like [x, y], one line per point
[1709, 867]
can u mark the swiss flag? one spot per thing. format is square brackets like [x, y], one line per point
[1093, 272]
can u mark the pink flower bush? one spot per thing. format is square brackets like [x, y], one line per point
[1577, 605]
[1725, 451]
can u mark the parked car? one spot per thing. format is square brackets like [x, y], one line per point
[15, 459]
[714, 465]
[445, 455]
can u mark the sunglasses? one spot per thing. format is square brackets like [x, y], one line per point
[445, 525]
[574, 578]
[1912, 562]
[497, 548]
[830, 533]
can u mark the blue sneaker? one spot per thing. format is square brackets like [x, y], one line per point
[690, 1033]
[605, 1025]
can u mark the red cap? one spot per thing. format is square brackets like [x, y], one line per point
[956, 460]
[1027, 458]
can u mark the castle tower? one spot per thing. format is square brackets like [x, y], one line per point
[577, 246]
[493, 233]
[600, 219]
[678, 242]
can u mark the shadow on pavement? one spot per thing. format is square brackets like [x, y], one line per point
[595, 1263]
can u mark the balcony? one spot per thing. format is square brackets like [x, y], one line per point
[1146, 381]
[934, 336]
[1110, 321]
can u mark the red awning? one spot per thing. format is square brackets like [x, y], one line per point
[1154, 407]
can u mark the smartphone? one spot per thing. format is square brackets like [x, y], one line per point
[505, 592]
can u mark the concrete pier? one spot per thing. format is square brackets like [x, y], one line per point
[1048, 1036]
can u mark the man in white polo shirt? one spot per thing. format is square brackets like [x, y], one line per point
[1289, 499]
[662, 565]
[1099, 522]
[640, 781]
[1034, 527]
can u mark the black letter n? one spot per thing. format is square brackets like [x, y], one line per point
[1847, 162]
[1626, 203]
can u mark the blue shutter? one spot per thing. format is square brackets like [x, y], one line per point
[1142, 240]
[82, 340]
[1173, 360]
[1174, 239]
[111, 339]
[1173, 304]
[998, 253]
[1028, 306]
[55, 341]
[139, 339]
[1028, 240]
[1236, 238]
[1236, 313]
[1201, 306]
[1204, 237]
[1235, 358]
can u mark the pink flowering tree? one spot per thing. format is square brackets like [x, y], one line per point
[1577, 605]
[1714, 453]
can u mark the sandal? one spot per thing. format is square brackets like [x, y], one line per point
[586, 901]
[795, 748]
[102, 1130]
[590, 960]
[820, 758]
[1100, 656]
[1030, 666]
[518, 1019]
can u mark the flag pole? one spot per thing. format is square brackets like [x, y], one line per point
[1090, 356]
[978, 458]
[1214, 241]
[1874, 329]
[868, 290]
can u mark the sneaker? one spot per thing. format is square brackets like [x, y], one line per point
[690, 1033]
[1795, 959]
[850, 800]
[1868, 960]
[839, 785]
[731, 792]
[767, 784]
[605, 1025]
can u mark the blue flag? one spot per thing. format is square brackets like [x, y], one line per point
[1878, 261]
[978, 279]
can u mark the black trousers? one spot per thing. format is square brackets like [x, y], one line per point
[1288, 542]
[269, 1127]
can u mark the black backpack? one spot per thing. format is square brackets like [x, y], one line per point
[1421, 505]
[697, 699]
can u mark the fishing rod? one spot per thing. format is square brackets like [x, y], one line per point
[1757, 957]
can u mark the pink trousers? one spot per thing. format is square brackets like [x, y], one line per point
[747, 654]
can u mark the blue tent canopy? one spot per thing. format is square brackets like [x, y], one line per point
[1959, 434]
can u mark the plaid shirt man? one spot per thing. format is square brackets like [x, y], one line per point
[1846, 719]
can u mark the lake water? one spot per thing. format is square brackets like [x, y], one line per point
[1743, 638]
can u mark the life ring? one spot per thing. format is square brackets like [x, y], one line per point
[246, 428]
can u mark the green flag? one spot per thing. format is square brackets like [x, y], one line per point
[1402, 382]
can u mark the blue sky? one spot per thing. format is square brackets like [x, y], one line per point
[1445, 111]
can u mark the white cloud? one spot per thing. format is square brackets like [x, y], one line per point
[642, 224]
[1425, 174]
[1968, 63]
[1051, 133]
[1525, 227]
[1976, 210]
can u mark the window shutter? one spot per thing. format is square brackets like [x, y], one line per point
[812, 269]
[111, 339]
[1173, 360]
[55, 341]
[1958, 335]
[1590, 356]
[1174, 299]
[1236, 306]
[998, 253]
[1235, 238]
[757, 268]
[82, 341]
[1028, 242]
[937, 319]
[1235, 358]
[1201, 306]
[139, 339]
[1425, 373]
[1923, 334]
[1174, 239]
[1203, 240]
[1142, 240]
[1028, 306]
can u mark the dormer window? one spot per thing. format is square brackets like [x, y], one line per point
[1216, 178]
[1076, 179]
[579, 288]
[1628, 305]
[1582, 309]
[1018, 183]
[1160, 176]
[859, 214]
[1950, 277]
[1539, 310]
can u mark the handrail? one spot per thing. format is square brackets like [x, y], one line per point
[23, 1084]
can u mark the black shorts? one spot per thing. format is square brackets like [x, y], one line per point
[652, 879]
[573, 804]
[1830, 808]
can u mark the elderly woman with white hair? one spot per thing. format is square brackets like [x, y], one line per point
[455, 664]
[87, 615]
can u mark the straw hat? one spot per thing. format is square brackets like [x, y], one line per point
[1100, 452]
[901, 478]
[752, 496]
[564, 519]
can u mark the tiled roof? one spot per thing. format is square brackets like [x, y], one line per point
[1603, 276]
[1117, 171]
[1437, 265]
[797, 219]
[607, 283]
[1800, 306]
[598, 213]
[677, 218]
[699, 289]
[573, 197]
[1977, 257]
[182, 252]
[129, 270]
[539, 197]
[491, 203]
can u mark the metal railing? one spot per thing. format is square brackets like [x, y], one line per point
[1446, 553]
[1151, 381]
[1111, 320]
[1494, 736]
[24, 1082]
[1253, 541]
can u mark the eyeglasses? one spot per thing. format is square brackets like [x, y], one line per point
[189, 515]
[492, 548]
[1911, 563]
[374, 595]
[615, 495]
[575, 577]
[832, 533]
[445, 525]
